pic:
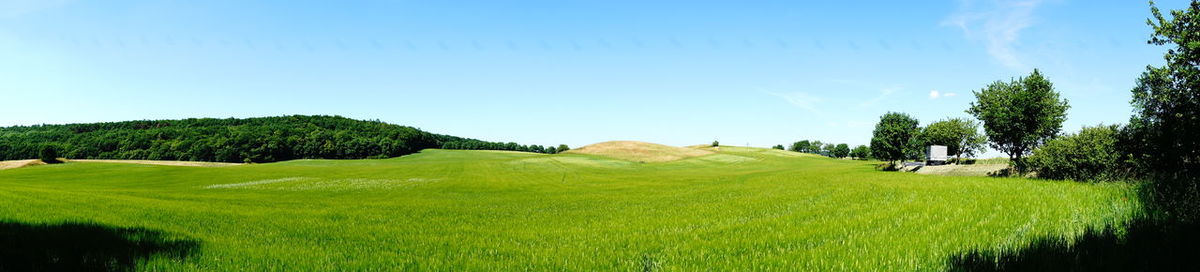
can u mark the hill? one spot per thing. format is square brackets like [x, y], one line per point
[462, 210]
[639, 151]
[263, 139]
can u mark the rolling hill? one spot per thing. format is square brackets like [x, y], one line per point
[732, 208]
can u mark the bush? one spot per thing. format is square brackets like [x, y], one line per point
[715, 144]
[48, 154]
[1092, 154]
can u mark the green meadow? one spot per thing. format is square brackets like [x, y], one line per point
[450, 210]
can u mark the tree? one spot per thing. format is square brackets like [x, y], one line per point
[960, 136]
[1019, 115]
[801, 146]
[1166, 120]
[827, 150]
[894, 136]
[48, 154]
[815, 147]
[551, 150]
[563, 148]
[780, 147]
[860, 152]
[716, 144]
[841, 151]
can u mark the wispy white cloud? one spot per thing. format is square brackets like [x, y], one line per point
[801, 100]
[997, 23]
[935, 94]
[883, 94]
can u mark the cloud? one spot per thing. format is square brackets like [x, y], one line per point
[883, 94]
[801, 100]
[935, 94]
[997, 23]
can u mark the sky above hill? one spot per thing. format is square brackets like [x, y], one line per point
[577, 72]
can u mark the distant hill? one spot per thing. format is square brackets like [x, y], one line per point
[264, 139]
[639, 151]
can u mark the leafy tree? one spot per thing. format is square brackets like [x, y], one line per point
[780, 147]
[841, 151]
[827, 150]
[1090, 155]
[960, 136]
[801, 146]
[48, 154]
[815, 147]
[563, 148]
[1019, 115]
[860, 152]
[1166, 120]
[894, 136]
[551, 150]
[716, 144]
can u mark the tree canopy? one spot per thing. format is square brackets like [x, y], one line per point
[1019, 115]
[1166, 120]
[264, 139]
[841, 151]
[860, 152]
[895, 136]
[960, 136]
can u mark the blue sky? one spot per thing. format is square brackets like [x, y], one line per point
[575, 72]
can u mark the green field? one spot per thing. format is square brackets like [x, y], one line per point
[739, 209]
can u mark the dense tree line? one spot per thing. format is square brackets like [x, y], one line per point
[817, 147]
[265, 139]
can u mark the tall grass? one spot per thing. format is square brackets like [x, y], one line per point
[742, 209]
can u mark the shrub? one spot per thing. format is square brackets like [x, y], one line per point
[48, 154]
[715, 144]
[1092, 154]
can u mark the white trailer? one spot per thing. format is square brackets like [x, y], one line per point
[936, 154]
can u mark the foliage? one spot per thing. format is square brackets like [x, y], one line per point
[827, 150]
[801, 146]
[1019, 115]
[716, 143]
[841, 151]
[1092, 154]
[860, 152]
[563, 148]
[459, 210]
[48, 154]
[780, 147]
[1166, 120]
[265, 139]
[894, 138]
[960, 136]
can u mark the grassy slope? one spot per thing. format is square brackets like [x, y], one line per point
[485, 210]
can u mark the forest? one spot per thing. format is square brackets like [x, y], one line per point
[263, 139]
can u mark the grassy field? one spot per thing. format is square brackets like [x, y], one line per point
[738, 209]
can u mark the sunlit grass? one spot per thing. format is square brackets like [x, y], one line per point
[741, 209]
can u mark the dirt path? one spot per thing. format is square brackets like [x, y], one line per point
[962, 170]
[18, 164]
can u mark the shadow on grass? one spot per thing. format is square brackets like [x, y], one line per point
[84, 247]
[1144, 246]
